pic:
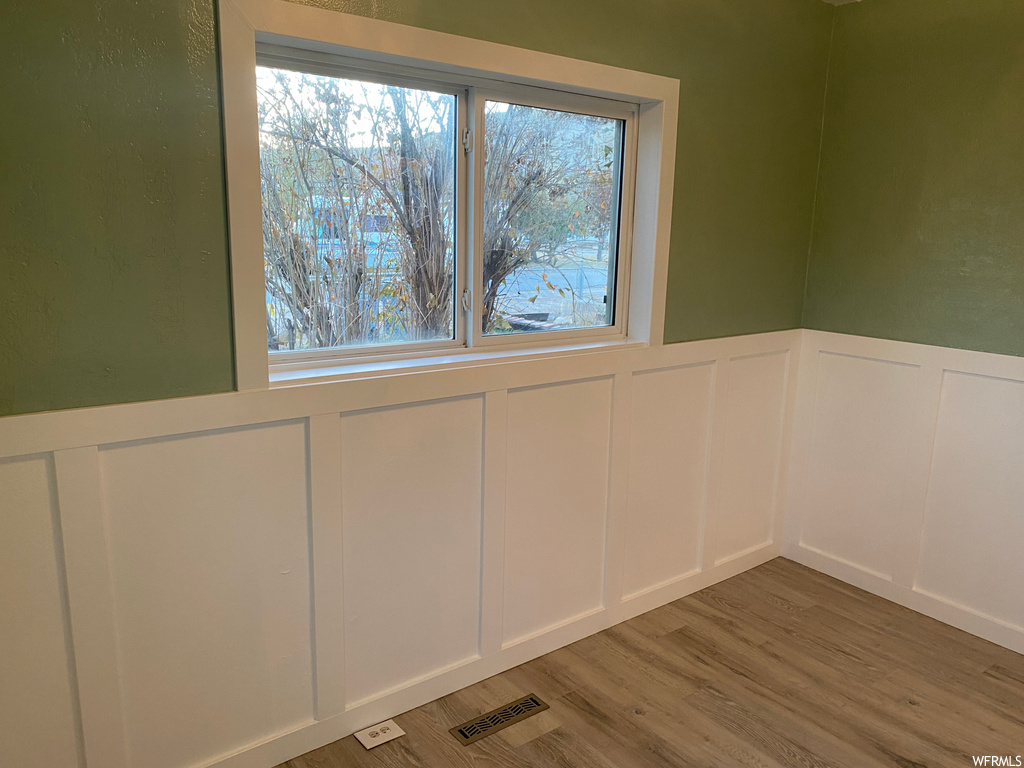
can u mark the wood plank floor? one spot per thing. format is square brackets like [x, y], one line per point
[779, 666]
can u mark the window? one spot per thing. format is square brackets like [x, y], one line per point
[399, 193]
[360, 181]
[357, 184]
[552, 201]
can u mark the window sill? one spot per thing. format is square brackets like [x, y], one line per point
[286, 375]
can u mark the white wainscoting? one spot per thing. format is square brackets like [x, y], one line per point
[908, 477]
[668, 474]
[234, 580]
[556, 502]
[208, 542]
[38, 701]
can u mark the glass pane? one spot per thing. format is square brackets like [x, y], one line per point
[358, 184]
[551, 212]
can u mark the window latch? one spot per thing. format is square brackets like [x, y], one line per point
[466, 301]
[467, 140]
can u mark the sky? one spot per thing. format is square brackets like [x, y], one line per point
[369, 95]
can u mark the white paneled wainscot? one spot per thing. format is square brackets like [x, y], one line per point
[908, 477]
[233, 580]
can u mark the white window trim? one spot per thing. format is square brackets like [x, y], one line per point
[244, 22]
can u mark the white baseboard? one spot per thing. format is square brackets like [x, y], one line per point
[959, 616]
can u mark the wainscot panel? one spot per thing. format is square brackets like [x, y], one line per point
[252, 575]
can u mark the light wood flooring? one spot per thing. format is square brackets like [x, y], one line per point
[779, 666]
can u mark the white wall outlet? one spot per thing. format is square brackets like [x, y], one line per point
[380, 733]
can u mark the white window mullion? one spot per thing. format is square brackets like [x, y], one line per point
[463, 219]
[476, 222]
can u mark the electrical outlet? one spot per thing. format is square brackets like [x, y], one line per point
[380, 733]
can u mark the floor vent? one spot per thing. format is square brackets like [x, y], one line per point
[499, 718]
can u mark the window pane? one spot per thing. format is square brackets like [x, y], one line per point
[551, 212]
[358, 185]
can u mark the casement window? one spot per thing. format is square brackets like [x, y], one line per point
[410, 208]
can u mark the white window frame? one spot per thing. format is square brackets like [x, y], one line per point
[424, 58]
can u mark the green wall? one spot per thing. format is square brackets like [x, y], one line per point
[113, 268]
[115, 283]
[919, 225]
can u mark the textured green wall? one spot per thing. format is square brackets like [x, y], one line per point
[919, 226]
[114, 270]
